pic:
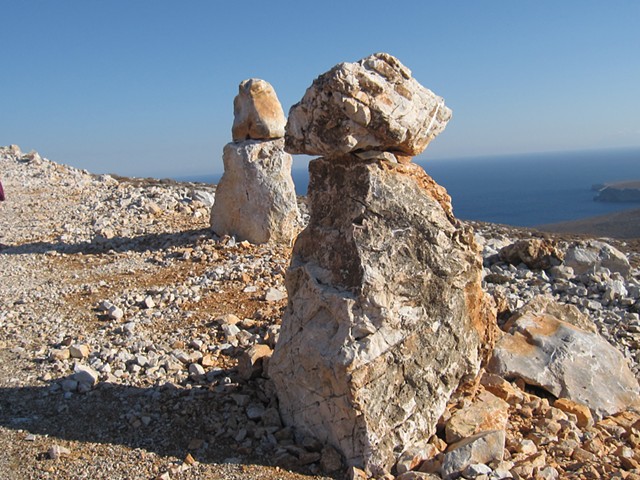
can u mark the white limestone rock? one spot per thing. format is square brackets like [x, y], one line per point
[204, 197]
[255, 199]
[373, 104]
[482, 448]
[84, 374]
[593, 255]
[568, 362]
[386, 314]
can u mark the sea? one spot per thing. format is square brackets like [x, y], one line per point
[522, 190]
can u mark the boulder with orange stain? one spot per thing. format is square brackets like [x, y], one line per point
[372, 104]
[386, 313]
[257, 112]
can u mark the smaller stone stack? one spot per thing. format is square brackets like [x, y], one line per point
[255, 199]
[386, 315]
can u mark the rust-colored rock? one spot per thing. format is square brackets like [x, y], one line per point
[580, 410]
[487, 412]
[257, 112]
[535, 253]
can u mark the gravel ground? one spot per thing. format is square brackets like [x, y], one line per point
[71, 242]
[129, 340]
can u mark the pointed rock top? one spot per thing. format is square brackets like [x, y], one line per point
[257, 112]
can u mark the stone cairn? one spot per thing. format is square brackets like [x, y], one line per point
[255, 199]
[386, 315]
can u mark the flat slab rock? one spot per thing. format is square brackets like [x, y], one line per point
[567, 362]
[386, 314]
[547, 305]
[373, 104]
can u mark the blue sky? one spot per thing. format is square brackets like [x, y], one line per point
[146, 87]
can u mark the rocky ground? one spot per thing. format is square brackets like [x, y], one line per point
[135, 344]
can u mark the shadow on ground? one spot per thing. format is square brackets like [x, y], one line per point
[167, 420]
[142, 243]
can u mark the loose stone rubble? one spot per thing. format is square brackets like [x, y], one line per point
[75, 247]
[114, 347]
[255, 199]
[386, 315]
[608, 300]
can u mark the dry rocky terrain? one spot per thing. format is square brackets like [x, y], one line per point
[134, 343]
[623, 225]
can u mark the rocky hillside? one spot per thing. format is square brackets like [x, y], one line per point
[135, 344]
[628, 191]
[623, 225]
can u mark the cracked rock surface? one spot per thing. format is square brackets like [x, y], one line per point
[386, 313]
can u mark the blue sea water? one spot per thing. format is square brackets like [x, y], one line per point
[534, 189]
[526, 190]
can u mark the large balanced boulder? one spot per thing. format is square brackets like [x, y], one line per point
[373, 104]
[386, 314]
[255, 199]
[257, 112]
[567, 362]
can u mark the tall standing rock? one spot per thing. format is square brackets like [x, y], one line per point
[386, 314]
[255, 199]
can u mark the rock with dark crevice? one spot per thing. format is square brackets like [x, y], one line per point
[386, 315]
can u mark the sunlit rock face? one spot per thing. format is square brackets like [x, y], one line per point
[386, 315]
[257, 112]
[255, 199]
[373, 104]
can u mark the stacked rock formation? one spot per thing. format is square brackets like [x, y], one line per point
[255, 199]
[386, 315]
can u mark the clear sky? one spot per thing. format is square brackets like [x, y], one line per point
[146, 87]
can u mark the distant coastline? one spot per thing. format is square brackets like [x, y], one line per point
[627, 191]
[520, 190]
